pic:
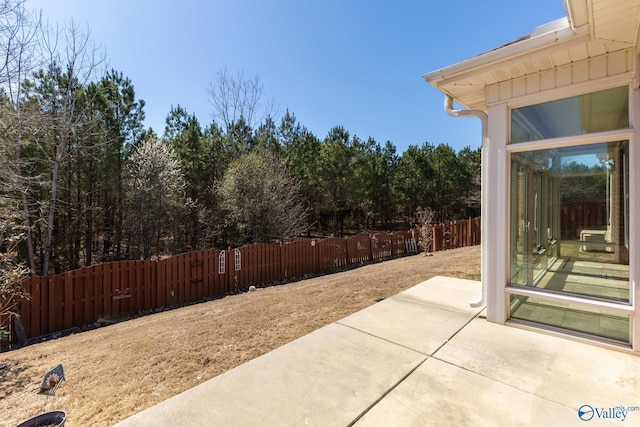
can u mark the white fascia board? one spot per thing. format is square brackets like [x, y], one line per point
[505, 55]
[577, 12]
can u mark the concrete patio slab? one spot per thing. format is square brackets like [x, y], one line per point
[444, 293]
[420, 358]
[441, 394]
[326, 378]
[401, 318]
[402, 321]
[562, 370]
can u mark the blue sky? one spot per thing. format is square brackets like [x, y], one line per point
[354, 63]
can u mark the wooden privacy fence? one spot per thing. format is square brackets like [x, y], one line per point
[81, 297]
[456, 234]
[575, 217]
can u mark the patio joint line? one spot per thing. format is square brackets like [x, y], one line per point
[386, 393]
[383, 339]
[433, 356]
[429, 305]
[411, 371]
[475, 316]
[464, 368]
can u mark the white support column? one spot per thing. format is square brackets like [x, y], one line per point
[495, 198]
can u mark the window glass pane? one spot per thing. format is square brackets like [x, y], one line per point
[569, 220]
[594, 112]
[590, 321]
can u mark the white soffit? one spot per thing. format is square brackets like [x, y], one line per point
[591, 28]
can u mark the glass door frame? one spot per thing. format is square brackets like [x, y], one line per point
[626, 309]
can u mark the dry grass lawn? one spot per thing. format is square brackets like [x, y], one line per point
[118, 370]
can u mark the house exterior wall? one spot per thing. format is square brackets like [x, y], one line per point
[595, 49]
[610, 70]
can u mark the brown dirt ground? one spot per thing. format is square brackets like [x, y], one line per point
[118, 370]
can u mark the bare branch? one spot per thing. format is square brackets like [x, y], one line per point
[235, 98]
[18, 40]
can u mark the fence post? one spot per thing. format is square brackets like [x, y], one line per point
[346, 251]
[434, 239]
[231, 273]
[281, 259]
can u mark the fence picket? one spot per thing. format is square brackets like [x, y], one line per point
[78, 298]
[36, 302]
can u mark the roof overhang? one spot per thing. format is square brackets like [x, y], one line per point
[591, 28]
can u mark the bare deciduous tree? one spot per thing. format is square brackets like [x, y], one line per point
[40, 116]
[18, 42]
[69, 69]
[238, 103]
[424, 217]
[233, 98]
[11, 272]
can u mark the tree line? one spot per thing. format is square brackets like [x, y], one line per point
[91, 184]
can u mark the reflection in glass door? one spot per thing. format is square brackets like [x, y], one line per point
[534, 216]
